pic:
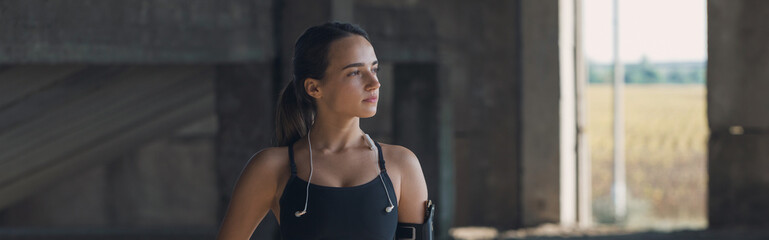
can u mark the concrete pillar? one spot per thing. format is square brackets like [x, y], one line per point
[738, 113]
[548, 115]
[540, 113]
[415, 119]
[584, 171]
[245, 102]
[479, 69]
[568, 114]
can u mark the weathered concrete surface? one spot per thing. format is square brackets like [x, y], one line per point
[245, 106]
[738, 186]
[415, 118]
[478, 67]
[540, 99]
[399, 34]
[738, 80]
[143, 31]
[166, 182]
[80, 201]
[295, 16]
[738, 76]
[64, 125]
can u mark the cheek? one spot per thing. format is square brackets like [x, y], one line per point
[347, 95]
[344, 94]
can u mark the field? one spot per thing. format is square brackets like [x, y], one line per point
[665, 140]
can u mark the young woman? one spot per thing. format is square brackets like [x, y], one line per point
[327, 179]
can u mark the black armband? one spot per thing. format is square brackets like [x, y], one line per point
[412, 231]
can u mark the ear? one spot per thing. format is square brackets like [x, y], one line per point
[312, 87]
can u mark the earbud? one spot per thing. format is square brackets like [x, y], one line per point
[300, 213]
[370, 142]
[389, 209]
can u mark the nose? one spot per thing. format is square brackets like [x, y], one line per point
[372, 81]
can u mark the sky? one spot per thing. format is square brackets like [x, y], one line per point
[662, 30]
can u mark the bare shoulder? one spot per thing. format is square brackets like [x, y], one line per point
[411, 187]
[254, 193]
[403, 158]
[270, 156]
[268, 161]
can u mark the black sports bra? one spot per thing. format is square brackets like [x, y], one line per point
[356, 212]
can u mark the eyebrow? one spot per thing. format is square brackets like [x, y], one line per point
[358, 65]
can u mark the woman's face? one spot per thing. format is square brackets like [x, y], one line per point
[350, 87]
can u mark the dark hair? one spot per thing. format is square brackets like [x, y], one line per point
[296, 109]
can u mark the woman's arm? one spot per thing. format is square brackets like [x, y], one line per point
[411, 206]
[253, 195]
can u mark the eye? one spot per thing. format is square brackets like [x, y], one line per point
[353, 73]
[375, 70]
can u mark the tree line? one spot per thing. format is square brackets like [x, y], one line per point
[646, 72]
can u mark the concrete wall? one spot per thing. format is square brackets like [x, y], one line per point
[168, 182]
[143, 31]
[540, 99]
[479, 69]
[245, 101]
[738, 113]
[107, 146]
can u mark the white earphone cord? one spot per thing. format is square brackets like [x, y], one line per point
[389, 208]
[307, 189]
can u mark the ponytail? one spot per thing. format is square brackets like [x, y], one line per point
[294, 115]
[296, 109]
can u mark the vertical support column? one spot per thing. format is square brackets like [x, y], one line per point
[619, 186]
[446, 168]
[738, 113]
[480, 75]
[540, 113]
[416, 124]
[584, 175]
[244, 104]
[568, 121]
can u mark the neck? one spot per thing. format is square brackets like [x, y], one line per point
[335, 135]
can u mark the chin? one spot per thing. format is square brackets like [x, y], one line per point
[367, 114]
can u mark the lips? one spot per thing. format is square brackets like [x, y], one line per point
[371, 99]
